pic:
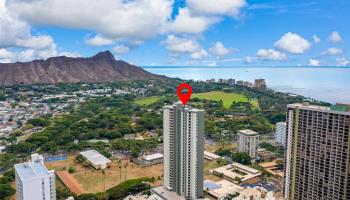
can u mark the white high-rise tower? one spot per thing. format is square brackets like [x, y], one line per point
[183, 150]
[34, 181]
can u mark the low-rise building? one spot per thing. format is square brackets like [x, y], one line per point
[273, 168]
[237, 173]
[265, 154]
[95, 159]
[227, 190]
[211, 156]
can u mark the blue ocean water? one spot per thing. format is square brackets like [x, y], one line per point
[331, 84]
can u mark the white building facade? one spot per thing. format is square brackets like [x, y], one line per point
[183, 138]
[34, 181]
[248, 142]
[281, 132]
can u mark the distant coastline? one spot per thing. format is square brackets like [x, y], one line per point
[321, 83]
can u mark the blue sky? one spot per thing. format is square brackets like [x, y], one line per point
[191, 32]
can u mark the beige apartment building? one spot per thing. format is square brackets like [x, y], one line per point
[317, 153]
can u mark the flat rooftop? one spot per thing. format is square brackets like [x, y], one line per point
[248, 132]
[95, 157]
[338, 108]
[237, 170]
[31, 170]
[210, 155]
[153, 157]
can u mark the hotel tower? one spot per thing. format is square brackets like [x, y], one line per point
[317, 154]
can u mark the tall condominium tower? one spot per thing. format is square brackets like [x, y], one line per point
[34, 181]
[317, 158]
[281, 131]
[248, 142]
[183, 150]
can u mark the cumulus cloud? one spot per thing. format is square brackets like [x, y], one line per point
[121, 49]
[314, 62]
[15, 32]
[342, 62]
[217, 7]
[98, 40]
[200, 54]
[116, 19]
[177, 45]
[333, 51]
[6, 56]
[185, 22]
[293, 43]
[335, 37]
[271, 54]
[316, 39]
[219, 50]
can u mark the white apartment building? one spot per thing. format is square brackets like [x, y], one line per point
[183, 136]
[248, 142]
[34, 181]
[281, 131]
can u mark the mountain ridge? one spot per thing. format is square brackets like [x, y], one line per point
[102, 67]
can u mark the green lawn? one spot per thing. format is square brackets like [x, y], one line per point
[227, 98]
[147, 101]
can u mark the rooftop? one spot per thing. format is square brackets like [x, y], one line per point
[95, 157]
[248, 132]
[338, 108]
[153, 157]
[237, 170]
[31, 170]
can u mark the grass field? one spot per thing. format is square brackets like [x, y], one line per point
[147, 101]
[227, 98]
[93, 180]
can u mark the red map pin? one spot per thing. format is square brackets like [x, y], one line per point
[184, 97]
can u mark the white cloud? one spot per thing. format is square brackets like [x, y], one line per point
[36, 42]
[116, 19]
[5, 54]
[217, 7]
[342, 62]
[185, 22]
[333, 51]
[293, 43]
[219, 50]
[314, 62]
[70, 54]
[121, 49]
[271, 54]
[14, 32]
[249, 59]
[316, 39]
[178, 45]
[98, 40]
[335, 37]
[200, 54]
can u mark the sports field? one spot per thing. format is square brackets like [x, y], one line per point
[147, 101]
[227, 98]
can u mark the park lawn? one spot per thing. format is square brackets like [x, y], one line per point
[147, 101]
[93, 181]
[227, 98]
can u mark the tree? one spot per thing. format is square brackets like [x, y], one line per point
[241, 157]
[6, 191]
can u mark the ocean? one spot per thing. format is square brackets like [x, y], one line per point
[330, 84]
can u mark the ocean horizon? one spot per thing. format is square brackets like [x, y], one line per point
[320, 83]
